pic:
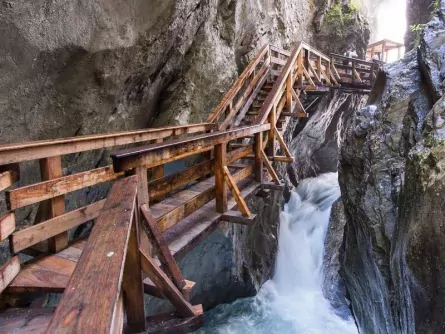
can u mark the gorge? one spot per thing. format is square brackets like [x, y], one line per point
[373, 263]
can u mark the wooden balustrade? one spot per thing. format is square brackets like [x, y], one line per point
[355, 72]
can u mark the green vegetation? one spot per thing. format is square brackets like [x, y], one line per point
[338, 16]
[417, 29]
[431, 141]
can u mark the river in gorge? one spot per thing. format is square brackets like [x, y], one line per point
[293, 301]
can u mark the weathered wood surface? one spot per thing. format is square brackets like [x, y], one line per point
[157, 154]
[7, 225]
[238, 218]
[170, 323]
[100, 268]
[51, 168]
[17, 152]
[8, 271]
[25, 320]
[38, 192]
[9, 174]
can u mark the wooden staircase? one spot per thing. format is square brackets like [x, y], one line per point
[149, 221]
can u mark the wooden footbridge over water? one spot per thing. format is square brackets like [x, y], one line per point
[149, 220]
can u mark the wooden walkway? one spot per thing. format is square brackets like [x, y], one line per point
[149, 220]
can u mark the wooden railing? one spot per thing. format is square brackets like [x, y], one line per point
[354, 71]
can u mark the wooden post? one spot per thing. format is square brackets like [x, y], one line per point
[132, 282]
[289, 83]
[353, 71]
[258, 157]
[271, 132]
[300, 69]
[384, 55]
[142, 198]
[158, 171]
[220, 184]
[51, 168]
[372, 52]
[319, 67]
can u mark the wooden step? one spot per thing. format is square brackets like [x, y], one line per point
[52, 272]
[48, 272]
[170, 322]
[25, 320]
[238, 145]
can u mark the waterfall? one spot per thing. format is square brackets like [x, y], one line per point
[293, 301]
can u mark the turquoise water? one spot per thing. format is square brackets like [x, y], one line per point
[291, 302]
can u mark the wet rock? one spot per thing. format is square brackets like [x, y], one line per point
[391, 177]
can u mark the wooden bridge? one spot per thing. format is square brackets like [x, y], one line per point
[149, 220]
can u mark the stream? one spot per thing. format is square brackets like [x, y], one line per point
[293, 301]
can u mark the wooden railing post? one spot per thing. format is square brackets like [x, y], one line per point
[142, 198]
[51, 168]
[353, 71]
[220, 183]
[319, 65]
[258, 158]
[289, 88]
[271, 133]
[300, 69]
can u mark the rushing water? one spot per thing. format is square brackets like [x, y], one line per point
[292, 302]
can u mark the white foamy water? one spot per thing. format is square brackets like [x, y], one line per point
[293, 301]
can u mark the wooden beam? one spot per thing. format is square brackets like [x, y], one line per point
[32, 235]
[272, 186]
[100, 268]
[220, 184]
[9, 175]
[238, 218]
[282, 144]
[7, 225]
[41, 191]
[51, 168]
[169, 290]
[275, 158]
[132, 282]
[162, 250]
[158, 154]
[258, 169]
[236, 193]
[169, 323]
[18, 152]
[270, 168]
[8, 271]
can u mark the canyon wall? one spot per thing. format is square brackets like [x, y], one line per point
[392, 181]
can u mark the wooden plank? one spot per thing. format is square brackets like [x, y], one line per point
[51, 168]
[236, 193]
[238, 218]
[117, 325]
[38, 192]
[9, 174]
[34, 234]
[272, 186]
[8, 272]
[258, 169]
[279, 50]
[271, 134]
[278, 61]
[18, 152]
[270, 168]
[132, 283]
[158, 154]
[169, 290]
[220, 184]
[274, 159]
[25, 320]
[100, 268]
[163, 252]
[7, 225]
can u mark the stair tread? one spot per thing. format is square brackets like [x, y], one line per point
[26, 320]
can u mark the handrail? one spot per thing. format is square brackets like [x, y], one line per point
[18, 152]
[230, 95]
[360, 61]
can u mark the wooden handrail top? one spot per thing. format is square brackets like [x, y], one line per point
[17, 152]
[279, 50]
[360, 61]
[159, 154]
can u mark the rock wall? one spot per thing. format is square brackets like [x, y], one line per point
[391, 177]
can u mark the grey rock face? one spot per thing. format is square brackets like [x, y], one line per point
[392, 189]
